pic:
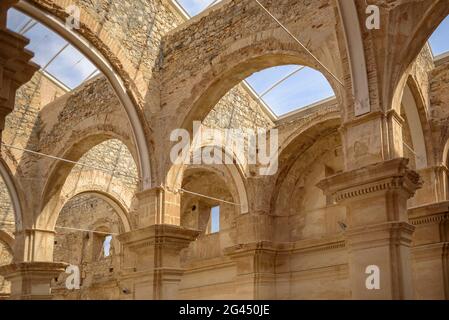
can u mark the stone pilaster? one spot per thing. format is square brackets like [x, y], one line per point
[256, 278]
[158, 206]
[372, 138]
[378, 233]
[34, 245]
[254, 227]
[31, 280]
[431, 250]
[151, 263]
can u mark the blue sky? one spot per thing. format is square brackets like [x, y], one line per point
[193, 7]
[439, 41]
[215, 219]
[70, 67]
[304, 88]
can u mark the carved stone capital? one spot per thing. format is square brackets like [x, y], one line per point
[392, 175]
[159, 235]
[152, 263]
[32, 280]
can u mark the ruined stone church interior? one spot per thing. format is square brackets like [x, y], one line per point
[93, 207]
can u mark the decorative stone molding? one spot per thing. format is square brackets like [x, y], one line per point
[437, 218]
[32, 280]
[153, 265]
[388, 175]
[432, 213]
[159, 235]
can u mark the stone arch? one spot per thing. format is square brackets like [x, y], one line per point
[236, 171]
[223, 76]
[445, 159]
[119, 79]
[299, 142]
[113, 200]
[356, 57]
[214, 185]
[414, 109]
[58, 186]
[14, 193]
[229, 51]
[420, 32]
[300, 210]
[8, 239]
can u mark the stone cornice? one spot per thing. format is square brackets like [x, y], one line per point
[428, 214]
[155, 235]
[303, 246]
[388, 175]
[43, 268]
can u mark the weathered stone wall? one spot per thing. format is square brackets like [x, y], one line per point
[238, 109]
[439, 102]
[7, 219]
[6, 256]
[22, 130]
[199, 63]
[127, 33]
[84, 249]
[114, 158]
[234, 39]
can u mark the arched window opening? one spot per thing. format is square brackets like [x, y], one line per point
[107, 250]
[86, 232]
[214, 220]
[202, 209]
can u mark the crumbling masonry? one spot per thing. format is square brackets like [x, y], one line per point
[347, 194]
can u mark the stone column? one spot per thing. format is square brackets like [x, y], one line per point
[372, 138]
[378, 233]
[256, 278]
[33, 268]
[15, 66]
[31, 280]
[152, 261]
[158, 206]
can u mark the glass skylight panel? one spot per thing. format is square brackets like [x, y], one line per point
[439, 41]
[194, 7]
[263, 80]
[301, 89]
[215, 219]
[16, 20]
[44, 43]
[71, 67]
